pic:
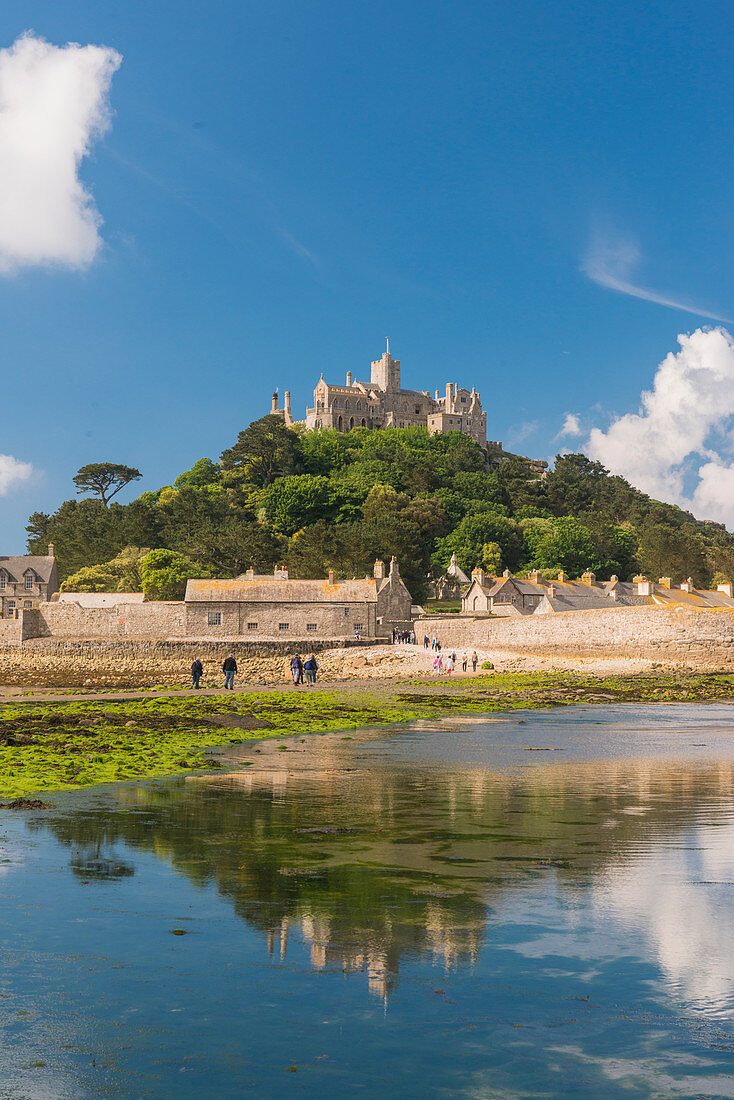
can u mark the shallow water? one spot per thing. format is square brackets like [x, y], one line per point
[532, 906]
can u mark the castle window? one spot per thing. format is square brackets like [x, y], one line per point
[28, 581]
[214, 618]
[284, 626]
[252, 626]
[364, 425]
[351, 421]
[417, 410]
[346, 404]
[3, 581]
[340, 423]
[311, 626]
[358, 405]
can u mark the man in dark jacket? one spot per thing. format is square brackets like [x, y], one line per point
[197, 669]
[311, 668]
[229, 668]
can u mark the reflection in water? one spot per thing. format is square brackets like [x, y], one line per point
[567, 892]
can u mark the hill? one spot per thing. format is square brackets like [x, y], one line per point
[320, 500]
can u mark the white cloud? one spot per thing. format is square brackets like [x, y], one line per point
[610, 262]
[570, 426]
[53, 105]
[688, 413]
[12, 472]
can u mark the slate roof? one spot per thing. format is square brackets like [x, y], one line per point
[264, 589]
[16, 567]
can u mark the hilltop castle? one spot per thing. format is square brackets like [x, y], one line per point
[381, 403]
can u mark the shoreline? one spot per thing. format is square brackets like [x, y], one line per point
[55, 742]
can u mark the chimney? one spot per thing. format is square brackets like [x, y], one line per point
[437, 397]
[394, 570]
[250, 574]
[379, 570]
[287, 407]
[274, 404]
[727, 589]
[562, 577]
[449, 397]
[280, 573]
[588, 577]
[687, 585]
[665, 582]
[534, 576]
[331, 576]
[479, 575]
[644, 586]
[613, 579]
[51, 550]
[349, 378]
[551, 592]
[507, 573]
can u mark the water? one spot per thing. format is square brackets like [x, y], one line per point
[533, 906]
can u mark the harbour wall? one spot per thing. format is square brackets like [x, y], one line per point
[672, 635]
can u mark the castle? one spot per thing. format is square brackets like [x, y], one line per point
[382, 403]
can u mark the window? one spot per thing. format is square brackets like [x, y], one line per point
[359, 626]
[11, 607]
[214, 618]
[3, 582]
[252, 626]
[284, 626]
[311, 626]
[28, 581]
[27, 604]
[346, 610]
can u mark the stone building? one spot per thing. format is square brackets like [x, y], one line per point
[382, 403]
[533, 595]
[275, 606]
[26, 581]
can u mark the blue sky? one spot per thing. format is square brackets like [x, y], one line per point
[285, 184]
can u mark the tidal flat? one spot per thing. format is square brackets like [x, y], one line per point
[535, 903]
[56, 743]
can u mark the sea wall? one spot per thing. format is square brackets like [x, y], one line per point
[75, 662]
[672, 635]
[69, 620]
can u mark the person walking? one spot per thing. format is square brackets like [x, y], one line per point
[450, 663]
[197, 670]
[297, 670]
[474, 661]
[311, 669]
[426, 641]
[229, 668]
[464, 663]
[436, 664]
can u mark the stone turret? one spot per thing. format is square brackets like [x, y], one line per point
[379, 570]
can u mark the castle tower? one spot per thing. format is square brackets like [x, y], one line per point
[386, 372]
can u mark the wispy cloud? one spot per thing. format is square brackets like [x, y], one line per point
[12, 473]
[611, 261]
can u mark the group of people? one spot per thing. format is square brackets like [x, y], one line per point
[307, 667]
[404, 637]
[439, 665]
[228, 668]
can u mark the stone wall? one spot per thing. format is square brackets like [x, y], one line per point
[144, 663]
[701, 637]
[69, 620]
[263, 620]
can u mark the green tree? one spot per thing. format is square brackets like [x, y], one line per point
[492, 558]
[264, 451]
[568, 546]
[121, 574]
[469, 538]
[165, 573]
[105, 479]
[295, 501]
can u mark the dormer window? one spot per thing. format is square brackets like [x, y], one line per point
[3, 581]
[28, 581]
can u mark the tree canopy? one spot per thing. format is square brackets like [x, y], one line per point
[330, 500]
[105, 479]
